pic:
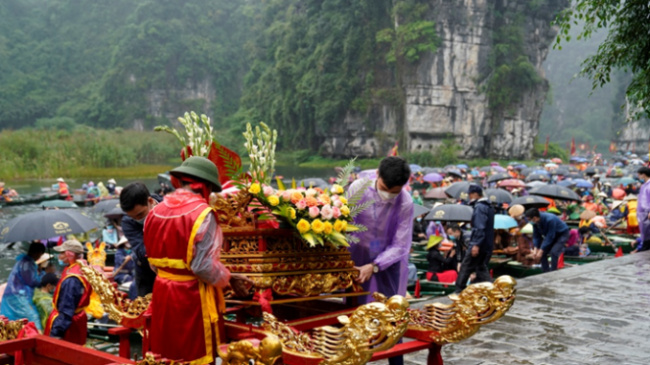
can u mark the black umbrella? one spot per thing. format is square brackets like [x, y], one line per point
[58, 204]
[450, 213]
[44, 224]
[485, 169]
[555, 192]
[536, 177]
[454, 172]
[498, 177]
[560, 171]
[437, 170]
[106, 205]
[530, 201]
[571, 168]
[498, 196]
[575, 175]
[592, 170]
[418, 210]
[458, 190]
[114, 213]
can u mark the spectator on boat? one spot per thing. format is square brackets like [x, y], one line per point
[110, 186]
[183, 242]
[93, 190]
[629, 212]
[550, 235]
[63, 188]
[68, 320]
[417, 199]
[6, 193]
[43, 297]
[103, 192]
[457, 237]
[643, 207]
[573, 243]
[419, 229]
[24, 278]
[109, 235]
[137, 202]
[443, 261]
[382, 253]
[124, 261]
[481, 241]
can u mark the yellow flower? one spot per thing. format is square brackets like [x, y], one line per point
[292, 213]
[273, 200]
[303, 226]
[327, 228]
[344, 225]
[254, 188]
[343, 200]
[338, 225]
[317, 226]
[345, 211]
[337, 189]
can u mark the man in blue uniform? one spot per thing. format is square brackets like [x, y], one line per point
[550, 235]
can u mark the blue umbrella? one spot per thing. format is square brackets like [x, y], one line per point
[582, 183]
[625, 181]
[566, 183]
[502, 221]
[415, 168]
[540, 172]
[462, 166]
[618, 164]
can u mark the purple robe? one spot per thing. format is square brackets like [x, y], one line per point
[642, 210]
[387, 242]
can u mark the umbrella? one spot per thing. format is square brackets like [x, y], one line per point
[529, 170]
[550, 166]
[560, 171]
[499, 168]
[555, 192]
[498, 177]
[415, 168]
[567, 183]
[435, 193]
[114, 213]
[520, 167]
[536, 177]
[462, 166]
[486, 169]
[418, 210]
[432, 177]
[582, 183]
[530, 201]
[454, 172]
[502, 221]
[106, 205]
[58, 203]
[368, 174]
[437, 170]
[498, 196]
[450, 213]
[44, 224]
[625, 181]
[314, 182]
[536, 184]
[592, 170]
[458, 190]
[512, 183]
[556, 160]
[575, 175]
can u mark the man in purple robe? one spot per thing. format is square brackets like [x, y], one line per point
[382, 253]
[643, 207]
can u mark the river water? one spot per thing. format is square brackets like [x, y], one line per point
[8, 253]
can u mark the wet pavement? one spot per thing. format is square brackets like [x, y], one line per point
[597, 313]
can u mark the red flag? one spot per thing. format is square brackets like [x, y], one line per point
[393, 151]
[418, 288]
[619, 252]
[546, 146]
[573, 146]
[60, 242]
[560, 261]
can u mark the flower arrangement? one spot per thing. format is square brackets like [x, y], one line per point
[318, 215]
[199, 135]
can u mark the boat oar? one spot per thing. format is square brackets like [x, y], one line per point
[607, 239]
[615, 224]
[126, 260]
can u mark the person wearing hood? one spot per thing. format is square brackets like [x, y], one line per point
[24, 278]
[93, 190]
[183, 242]
[481, 241]
[110, 186]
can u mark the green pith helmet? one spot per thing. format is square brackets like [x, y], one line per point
[201, 168]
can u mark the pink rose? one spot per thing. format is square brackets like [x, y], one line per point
[301, 204]
[326, 212]
[267, 190]
[336, 212]
[337, 202]
[286, 195]
[314, 211]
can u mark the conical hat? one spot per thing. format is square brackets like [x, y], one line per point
[433, 241]
[587, 214]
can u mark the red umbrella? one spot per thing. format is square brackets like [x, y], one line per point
[435, 193]
[556, 160]
[512, 183]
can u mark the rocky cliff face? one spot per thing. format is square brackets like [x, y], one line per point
[444, 96]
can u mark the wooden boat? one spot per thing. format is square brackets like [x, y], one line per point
[30, 199]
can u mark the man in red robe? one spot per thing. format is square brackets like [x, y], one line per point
[68, 319]
[183, 241]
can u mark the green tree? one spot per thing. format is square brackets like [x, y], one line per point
[627, 45]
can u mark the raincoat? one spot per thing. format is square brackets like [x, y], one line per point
[387, 241]
[17, 299]
[642, 210]
[43, 303]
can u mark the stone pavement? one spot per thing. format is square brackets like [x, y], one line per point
[598, 313]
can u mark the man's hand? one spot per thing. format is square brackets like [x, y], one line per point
[538, 253]
[238, 284]
[475, 250]
[365, 272]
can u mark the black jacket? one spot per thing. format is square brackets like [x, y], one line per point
[482, 226]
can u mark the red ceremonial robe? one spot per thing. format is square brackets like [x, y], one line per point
[78, 329]
[184, 308]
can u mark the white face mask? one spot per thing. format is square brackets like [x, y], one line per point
[386, 195]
